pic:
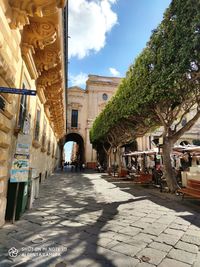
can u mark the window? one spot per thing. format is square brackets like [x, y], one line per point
[22, 110]
[184, 121]
[44, 134]
[74, 118]
[49, 143]
[53, 150]
[105, 97]
[37, 124]
[49, 147]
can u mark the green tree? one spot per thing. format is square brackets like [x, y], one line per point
[162, 86]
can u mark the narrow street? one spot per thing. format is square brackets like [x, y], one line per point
[93, 222]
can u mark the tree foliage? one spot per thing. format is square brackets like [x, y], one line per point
[165, 75]
[162, 85]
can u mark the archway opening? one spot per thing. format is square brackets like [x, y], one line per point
[184, 143]
[74, 148]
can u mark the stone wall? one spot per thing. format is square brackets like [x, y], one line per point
[20, 65]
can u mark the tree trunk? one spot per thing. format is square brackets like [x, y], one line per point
[109, 162]
[169, 173]
[119, 161]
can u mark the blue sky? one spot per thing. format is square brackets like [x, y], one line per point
[107, 35]
[111, 33]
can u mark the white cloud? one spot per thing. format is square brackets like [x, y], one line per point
[89, 21]
[78, 80]
[114, 72]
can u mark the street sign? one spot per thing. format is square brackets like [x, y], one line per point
[2, 103]
[17, 91]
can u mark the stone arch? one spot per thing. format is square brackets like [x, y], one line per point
[184, 143]
[77, 138]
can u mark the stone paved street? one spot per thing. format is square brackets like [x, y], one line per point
[96, 222]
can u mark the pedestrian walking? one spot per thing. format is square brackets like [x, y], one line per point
[83, 167]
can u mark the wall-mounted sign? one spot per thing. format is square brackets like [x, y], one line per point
[20, 164]
[17, 91]
[17, 176]
[22, 148]
[20, 168]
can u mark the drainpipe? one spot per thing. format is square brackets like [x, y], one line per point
[66, 36]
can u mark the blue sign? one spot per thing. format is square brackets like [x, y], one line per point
[17, 91]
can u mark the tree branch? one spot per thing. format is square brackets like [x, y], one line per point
[187, 127]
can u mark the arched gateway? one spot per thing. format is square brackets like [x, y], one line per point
[83, 107]
[78, 151]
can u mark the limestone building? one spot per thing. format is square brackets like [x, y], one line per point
[83, 108]
[85, 105]
[31, 58]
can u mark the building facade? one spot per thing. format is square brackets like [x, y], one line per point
[190, 137]
[31, 58]
[83, 107]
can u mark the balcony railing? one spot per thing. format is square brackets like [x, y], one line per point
[70, 127]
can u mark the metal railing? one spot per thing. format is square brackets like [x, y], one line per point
[72, 127]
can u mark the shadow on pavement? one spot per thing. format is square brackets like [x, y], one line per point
[71, 214]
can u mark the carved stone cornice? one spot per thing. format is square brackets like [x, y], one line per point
[21, 10]
[47, 112]
[41, 95]
[48, 58]
[50, 77]
[39, 34]
[42, 47]
[74, 105]
[55, 88]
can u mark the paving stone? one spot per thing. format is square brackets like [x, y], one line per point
[71, 223]
[140, 224]
[140, 214]
[122, 238]
[172, 263]
[191, 239]
[147, 219]
[182, 256]
[160, 246]
[187, 247]
[108, 234]
[85, 213]
[165, 220]
[154, 230]
[167, 239]
[197, 261]
[144, 237]
[126, 249]
[193, 232]
[178, 226]
[174, 232]
[138, 243]
[153, 216]
[151, 255]
[107, 243]
[144, 264]
[181, 221]
[112, 227]
[194, 227]
[131, 231]
[118, 259]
